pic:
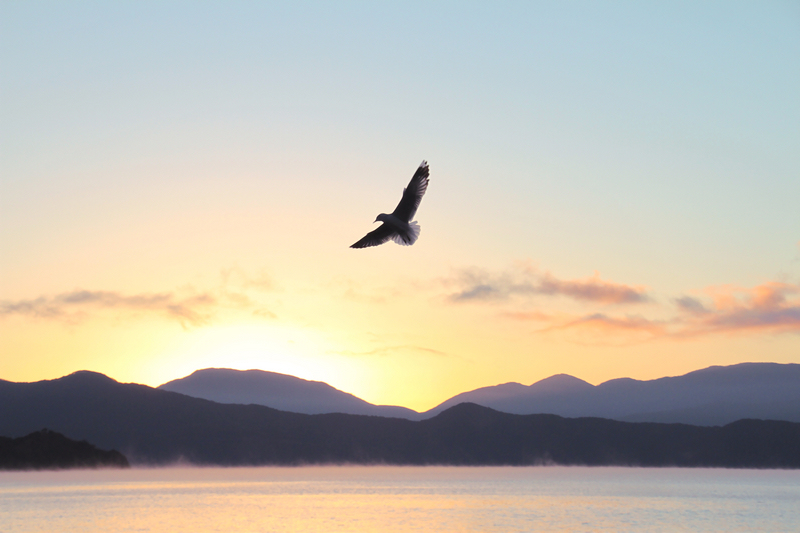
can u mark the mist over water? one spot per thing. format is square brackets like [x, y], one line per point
[439, 499]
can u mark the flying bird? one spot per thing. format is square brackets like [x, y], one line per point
[397, 226]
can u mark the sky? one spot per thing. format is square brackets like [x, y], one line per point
[614, 190]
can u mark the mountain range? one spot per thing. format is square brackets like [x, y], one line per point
[713, 396]
[152, 426]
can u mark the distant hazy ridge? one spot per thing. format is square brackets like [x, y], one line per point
[279, 391]
[713, 396]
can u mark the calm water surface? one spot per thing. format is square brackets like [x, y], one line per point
[431, 499]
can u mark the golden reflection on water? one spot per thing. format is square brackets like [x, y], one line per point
[386, 499]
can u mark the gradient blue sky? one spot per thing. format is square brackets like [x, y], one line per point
[614, 190]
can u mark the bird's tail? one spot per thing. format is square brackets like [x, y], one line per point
[414, 230]
[410, 237]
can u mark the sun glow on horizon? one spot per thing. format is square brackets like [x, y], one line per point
[246, 346]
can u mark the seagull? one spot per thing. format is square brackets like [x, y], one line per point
[397, 226]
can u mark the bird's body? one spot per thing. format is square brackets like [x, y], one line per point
[398, 226]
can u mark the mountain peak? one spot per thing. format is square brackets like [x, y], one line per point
[279, 391]
[465, 410]
[88, 376]
[560, 383]
[232, 376]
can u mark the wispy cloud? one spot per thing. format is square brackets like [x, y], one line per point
[190, 310]
[593, 289]
[533, 316]
[691, 305]
[525, 281]
[188, 307]
[242, 280]
[771, 307]
[388, 350]
[600, 328]
[265, 313]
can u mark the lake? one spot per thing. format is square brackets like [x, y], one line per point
[381, 499]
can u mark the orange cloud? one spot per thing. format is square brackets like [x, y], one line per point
[772, 307]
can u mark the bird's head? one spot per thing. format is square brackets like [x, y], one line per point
[381, 218]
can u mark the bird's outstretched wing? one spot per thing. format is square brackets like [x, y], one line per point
[412, 195]
[375, 237]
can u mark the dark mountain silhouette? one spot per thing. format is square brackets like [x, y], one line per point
[279, 391]
[153, 426]
[49, 450]
[713, 396]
